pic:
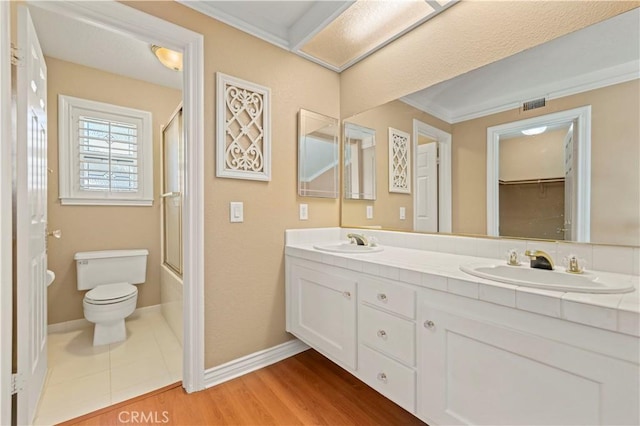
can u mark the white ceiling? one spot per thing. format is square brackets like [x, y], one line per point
[283, 23]
[64, 38]
[602, 54]
[291, 24]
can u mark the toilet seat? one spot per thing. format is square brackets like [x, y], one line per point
[108, 294]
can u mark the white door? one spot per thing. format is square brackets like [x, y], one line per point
[31, 218]
[426, 194]
[569, 186]
[6, 221]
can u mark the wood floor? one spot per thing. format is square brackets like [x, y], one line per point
[306, 389]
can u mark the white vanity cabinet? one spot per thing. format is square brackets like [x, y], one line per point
[451, 359]
[387, 339]
[321, 306]
[479, 368]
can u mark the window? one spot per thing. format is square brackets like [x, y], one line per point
[105, 153]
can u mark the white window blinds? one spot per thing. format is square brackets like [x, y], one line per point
[108, 155]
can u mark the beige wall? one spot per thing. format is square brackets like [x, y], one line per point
[533, 157]
[467, 36]
[101, 227]
[244, 262]
[615, 172]
[386, 207]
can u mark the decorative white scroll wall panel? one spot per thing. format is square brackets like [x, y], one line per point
[399, 161]
[243, 123]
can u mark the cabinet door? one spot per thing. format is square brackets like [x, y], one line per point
[323, 313]
[476, 372]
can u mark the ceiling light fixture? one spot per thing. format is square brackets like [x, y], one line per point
[167, 57]
[364, 26]
[534, 131]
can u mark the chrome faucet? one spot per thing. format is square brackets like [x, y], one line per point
[540, 259]
[358, 239]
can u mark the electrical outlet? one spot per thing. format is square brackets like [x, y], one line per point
[403, 213]
[369, 212]
[236, 211]
[304, 211]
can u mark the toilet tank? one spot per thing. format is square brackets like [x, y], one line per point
[110, 266]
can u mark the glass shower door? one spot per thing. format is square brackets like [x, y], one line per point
[172, 188]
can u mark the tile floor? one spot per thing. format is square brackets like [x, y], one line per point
[82, 378]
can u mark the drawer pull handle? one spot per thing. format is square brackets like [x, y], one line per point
[429, 324]
[382, 297]
[346, 294]
[382, 334]
[382, 377]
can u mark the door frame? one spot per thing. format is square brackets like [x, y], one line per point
[131, 22]
[6, 221]
[582, 216]
[444, 172]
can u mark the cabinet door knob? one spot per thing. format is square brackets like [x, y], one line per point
[382, 377]
[382, 334]
[382, 297]
[429, 324]
[346, 294]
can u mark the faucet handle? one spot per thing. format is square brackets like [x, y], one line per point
[574, 265]
[512, 258]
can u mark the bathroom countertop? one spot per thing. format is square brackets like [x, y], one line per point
[441, 271]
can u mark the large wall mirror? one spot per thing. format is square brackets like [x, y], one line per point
[318, 155]
[598, 68]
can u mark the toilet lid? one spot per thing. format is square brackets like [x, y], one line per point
[111, 292]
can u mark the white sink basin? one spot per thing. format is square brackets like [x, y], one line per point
[348, 248]
[51, 276]
[551, 280]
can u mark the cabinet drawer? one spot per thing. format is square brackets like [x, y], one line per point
[392, 297]
[389, 334]
[390, 378]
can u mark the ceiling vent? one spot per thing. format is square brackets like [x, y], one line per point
[536, 103]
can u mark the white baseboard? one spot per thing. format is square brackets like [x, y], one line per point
[79, 324]
[255, 361]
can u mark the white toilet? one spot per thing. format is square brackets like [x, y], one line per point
[109, 276]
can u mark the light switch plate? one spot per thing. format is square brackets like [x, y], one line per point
[369, 212]
[403, 213]
[304, 211]
[236, 211]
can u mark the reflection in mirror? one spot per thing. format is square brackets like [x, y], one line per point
[538, 173]
[598, 66]
[318, 155]
[359, 162]
[532, 189]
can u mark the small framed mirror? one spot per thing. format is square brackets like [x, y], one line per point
[318, 155]
[359, 162]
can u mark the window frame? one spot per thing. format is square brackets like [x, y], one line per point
[68, 145]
